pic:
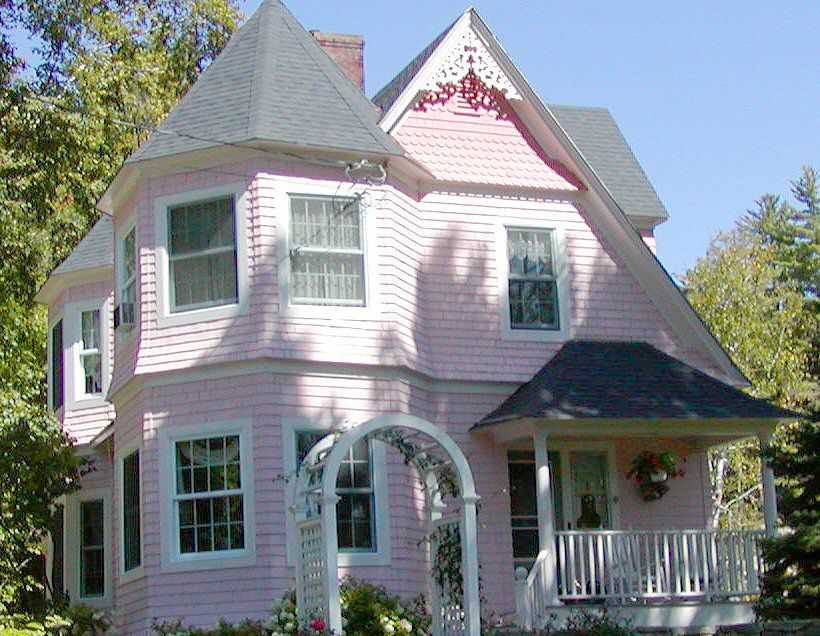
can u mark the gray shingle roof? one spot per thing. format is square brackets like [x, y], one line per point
[96, 249]
[390, 93]
[592, 130]
[272, 82]
[604, 147]
[607, 379]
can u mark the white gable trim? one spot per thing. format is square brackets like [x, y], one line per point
[608, 216]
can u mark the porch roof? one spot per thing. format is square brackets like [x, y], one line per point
[607, 379]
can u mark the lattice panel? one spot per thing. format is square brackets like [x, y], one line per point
[448, 612]
[311, 572]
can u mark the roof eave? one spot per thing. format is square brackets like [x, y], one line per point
[58, 282]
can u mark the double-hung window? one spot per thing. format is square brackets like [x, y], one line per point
[355, 518]
[57, 360]
[327, 261]
[91, 352]
[92, 548]
[202, 254]
[209, 497]
[131, 530]
[532, 279]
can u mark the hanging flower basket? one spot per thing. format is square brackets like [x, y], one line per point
[651, 471]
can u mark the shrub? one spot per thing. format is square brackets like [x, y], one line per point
[368, 610]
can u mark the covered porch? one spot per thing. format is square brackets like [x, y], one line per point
[583, 535]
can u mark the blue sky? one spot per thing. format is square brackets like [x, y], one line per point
[719, 100]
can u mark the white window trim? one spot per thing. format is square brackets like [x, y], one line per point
[129, 225]
[124, 451]
[382, 554]
[370, 309]
[565, 330]
[71, 553]
[165, 318]
[172, 560]
[74, 397]
[54, 319]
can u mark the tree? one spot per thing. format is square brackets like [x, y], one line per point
[758, 318]
[791, 584]
[109, 71]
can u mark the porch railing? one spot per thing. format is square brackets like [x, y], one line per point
[658, 565]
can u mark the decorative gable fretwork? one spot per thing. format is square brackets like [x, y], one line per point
[470, 70]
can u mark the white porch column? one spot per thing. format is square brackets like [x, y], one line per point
[769, 492]
[469, 566]
[546, 521]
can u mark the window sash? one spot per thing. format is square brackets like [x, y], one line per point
[131, 526]
[92, 554]
[349, 493]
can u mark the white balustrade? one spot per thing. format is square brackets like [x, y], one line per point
[658, 565]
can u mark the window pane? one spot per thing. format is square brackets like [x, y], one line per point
[207, 279]
[90, 329]
[331, 223]
[91, 522]
[92, 373]
[305, 441]
[131, 511]
[355, 521]
[129, 256]
[328, 276]
[200, 226]
[57, 365]
[530, 253]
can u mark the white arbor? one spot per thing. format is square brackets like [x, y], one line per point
[446, 476]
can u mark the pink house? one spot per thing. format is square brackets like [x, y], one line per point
[285, 258]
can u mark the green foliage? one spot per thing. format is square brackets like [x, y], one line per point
[368, 610]
[37, 465]
[79, 620]
[791, 585]
[582, 622]
[110, 71]
[756, 290]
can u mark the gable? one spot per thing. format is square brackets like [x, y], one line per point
[470, 47]
[459, 140]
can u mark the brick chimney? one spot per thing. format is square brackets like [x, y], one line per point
[347, 51]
